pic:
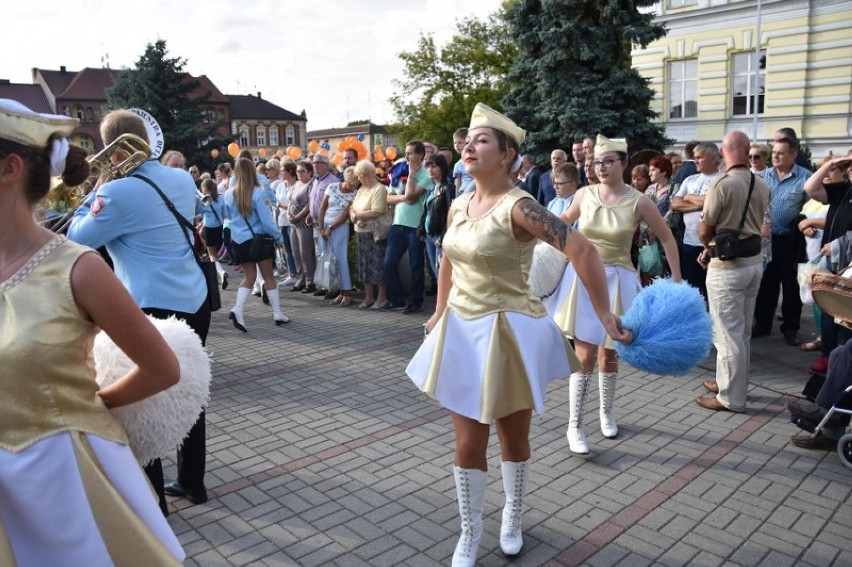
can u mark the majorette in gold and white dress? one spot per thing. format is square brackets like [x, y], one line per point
[71, 491]
[494, 350]
[610, 228]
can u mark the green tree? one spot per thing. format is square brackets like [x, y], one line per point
[573, 73]
[441, 85]
[159, 85]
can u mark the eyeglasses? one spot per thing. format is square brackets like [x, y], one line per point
[605, 164]
[755, 156]
[298, 171]
[561, 183]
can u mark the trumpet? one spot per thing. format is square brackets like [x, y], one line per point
[62, 201]
[203, 197]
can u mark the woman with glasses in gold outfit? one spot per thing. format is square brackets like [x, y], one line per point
[609, 212]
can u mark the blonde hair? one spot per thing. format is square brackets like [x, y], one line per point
[246, 178]
[349, 175]
[365, 167]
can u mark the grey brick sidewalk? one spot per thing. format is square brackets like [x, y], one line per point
[321, 452]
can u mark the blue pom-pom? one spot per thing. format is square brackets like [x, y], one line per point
[672, 330]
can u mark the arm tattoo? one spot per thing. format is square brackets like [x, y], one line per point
[552, 229]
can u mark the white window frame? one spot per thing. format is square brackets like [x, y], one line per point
[290, 135]
[260, 135]
[680, 87]
[273, 136]
[748, 74]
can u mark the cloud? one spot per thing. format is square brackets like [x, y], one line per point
[336, 60]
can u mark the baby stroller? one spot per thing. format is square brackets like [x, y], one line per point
[842, 406]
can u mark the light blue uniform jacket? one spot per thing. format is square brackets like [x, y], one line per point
[151, 256]
[261, 219]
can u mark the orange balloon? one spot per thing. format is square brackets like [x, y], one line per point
[337, 159]
[361, 149]
[378, 155]
[214, 153]
[313, 146]
[233, 149]
[295, 152]
[377, 149]
[323, 152]
[390, 151]
[261, 152]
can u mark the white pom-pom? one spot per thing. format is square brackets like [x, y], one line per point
[156, 425]
[548, 266]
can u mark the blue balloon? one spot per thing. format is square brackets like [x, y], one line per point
[672, 330]
[326, 146]
[360, 137]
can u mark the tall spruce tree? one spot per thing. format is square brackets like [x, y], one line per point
[573, 75]
[159, 85]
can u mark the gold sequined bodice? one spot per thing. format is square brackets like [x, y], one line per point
[47, 377]
[610, 227]
[490, 266]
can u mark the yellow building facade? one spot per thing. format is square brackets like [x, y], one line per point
[703, 70]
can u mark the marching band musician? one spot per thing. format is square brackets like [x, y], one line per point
[156, 266]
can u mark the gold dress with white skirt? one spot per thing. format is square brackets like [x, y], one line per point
[610, 228]
[71, 491]
[494, 350]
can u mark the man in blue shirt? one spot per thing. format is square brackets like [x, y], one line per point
[156, 265]
[787, 182]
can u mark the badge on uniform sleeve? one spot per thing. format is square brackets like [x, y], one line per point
[97, 207]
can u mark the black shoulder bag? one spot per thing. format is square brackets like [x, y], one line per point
[262, 245]
[208, 268]
[728, 245]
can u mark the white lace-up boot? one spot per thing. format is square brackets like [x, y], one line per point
[578, 387]
[470, 491]
[606, 387]
[275, 301]
[515, 486]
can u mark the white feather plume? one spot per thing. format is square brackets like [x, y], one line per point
[156, 425]
[548, 266]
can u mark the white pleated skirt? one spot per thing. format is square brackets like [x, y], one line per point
[78, 499]
[492, 366]
[571, 308]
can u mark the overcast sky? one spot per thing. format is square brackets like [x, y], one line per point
[335, 59]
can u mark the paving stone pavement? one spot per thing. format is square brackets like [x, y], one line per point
[322, 452]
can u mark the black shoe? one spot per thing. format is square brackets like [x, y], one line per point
[255, 293]
[224, 280]
[791, 338]
[412, 309]
[331, 294]
[237, 324]
[759, 332]
[297, 288]
[174, 489]
[309, 288]
[320, 293]
[263, 296]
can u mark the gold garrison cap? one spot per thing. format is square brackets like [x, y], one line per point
[605, 144]
[20, 124]
[486, 117]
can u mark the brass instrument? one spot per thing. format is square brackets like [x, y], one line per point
[62, 200]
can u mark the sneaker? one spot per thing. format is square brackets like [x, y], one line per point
[820, 366]
[290, 280]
